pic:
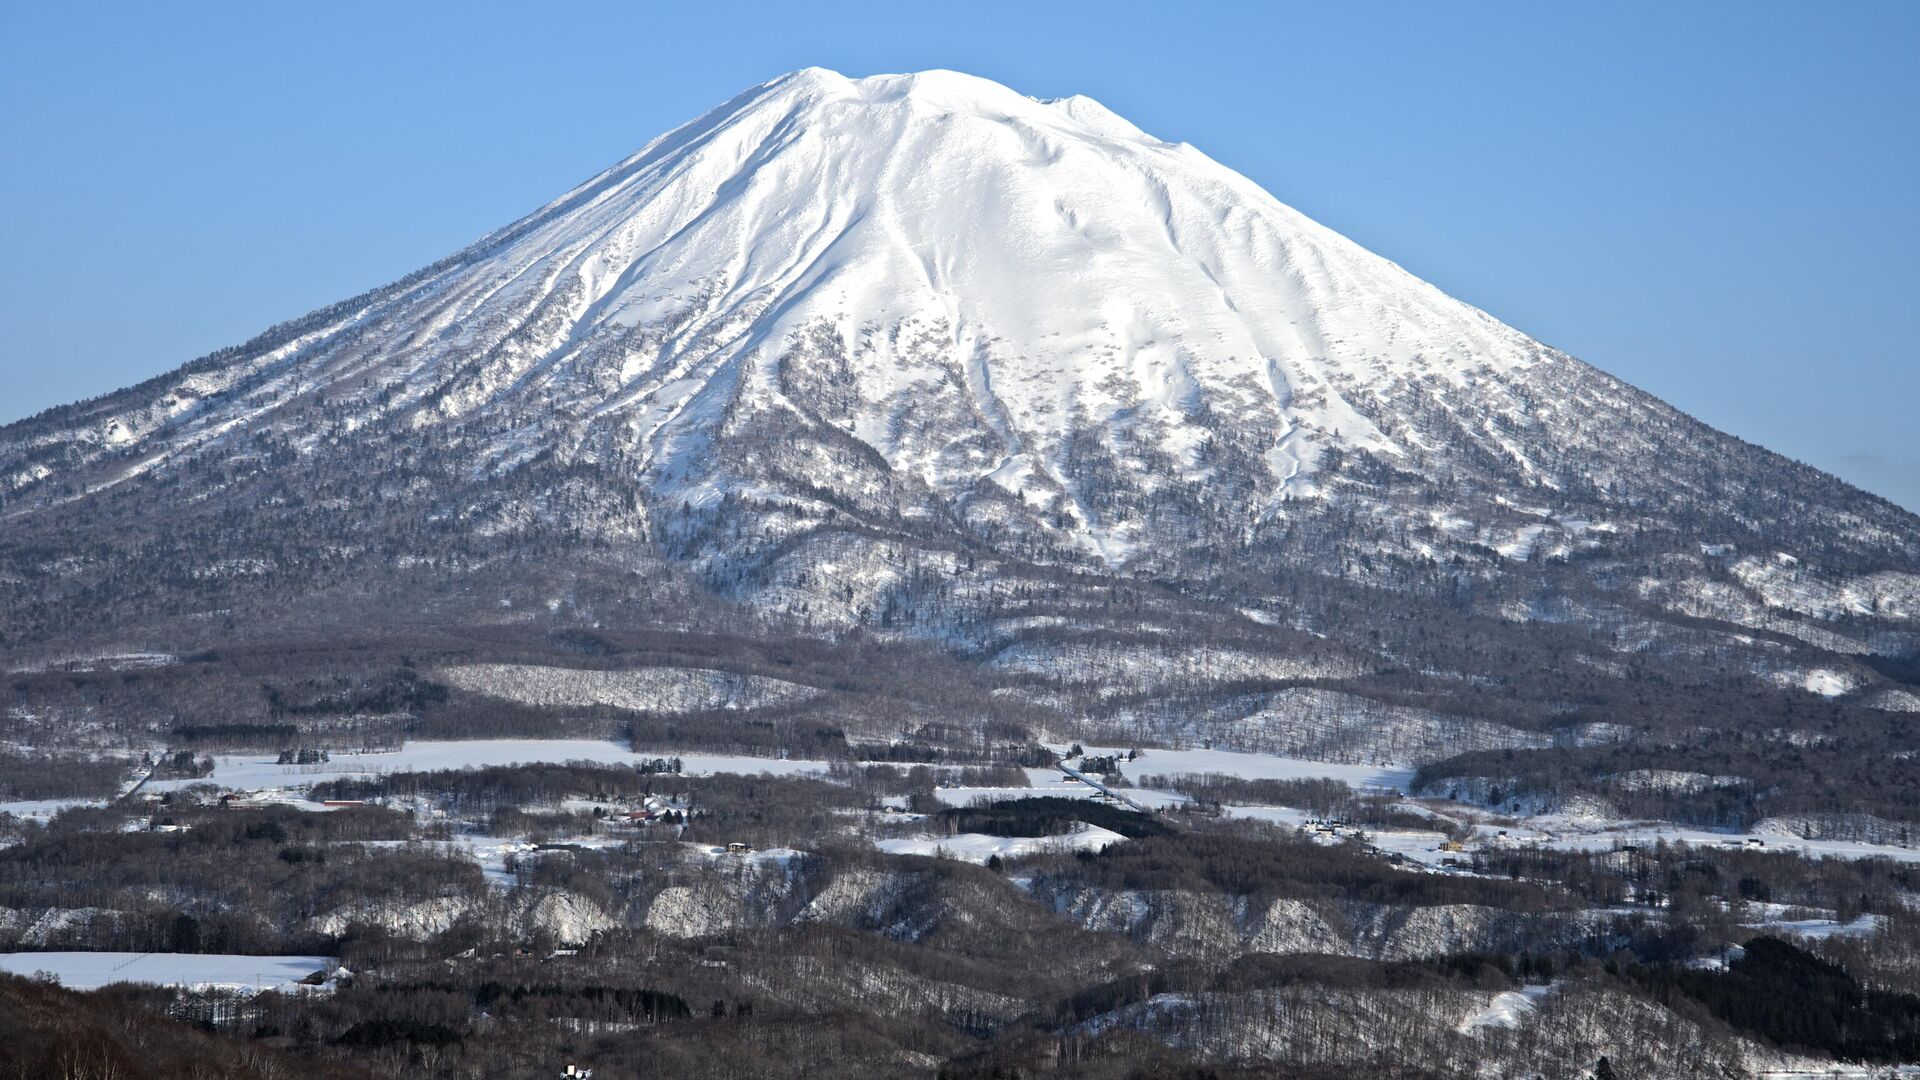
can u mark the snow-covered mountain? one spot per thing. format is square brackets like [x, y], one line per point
[963, 279]
[919, 354]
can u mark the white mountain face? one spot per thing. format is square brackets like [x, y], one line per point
[961, 278]
[912, 352]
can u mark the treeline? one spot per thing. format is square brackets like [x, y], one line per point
[1699, 882]
[237, 734]
[47, 1032]
[764, 809]
[396, 690]
[1278, 864]
[1731, 780]
[244, 881]
[1047, 816]
[485, 789]
[1796, 1001]
[1329, 800]
[56, 776]
[1253, 972]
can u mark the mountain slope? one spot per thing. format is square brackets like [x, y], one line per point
[920, 355]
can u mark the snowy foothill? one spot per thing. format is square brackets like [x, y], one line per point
[92, 970]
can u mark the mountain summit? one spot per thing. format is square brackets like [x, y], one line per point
[963, 279]
[919, 356]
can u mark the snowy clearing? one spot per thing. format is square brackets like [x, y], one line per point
[781, 857]
[42, 809]
[1152, 762]
[1863, 926]
[1506, 1010]
[1052, 783]
[1651, 832]
[979, 847]
[257, 771]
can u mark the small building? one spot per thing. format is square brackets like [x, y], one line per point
[738, 848]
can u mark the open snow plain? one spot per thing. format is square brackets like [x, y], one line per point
[92, 970]
[257, 772]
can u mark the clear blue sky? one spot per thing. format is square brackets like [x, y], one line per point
[1717, 202]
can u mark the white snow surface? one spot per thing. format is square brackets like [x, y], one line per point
[1579, 832]
[42, 809]
[1155, 762]
[91, 970]
[1507, 1009]
[657, 689]
[1120, 269]
[1861, 926]
[247, 772]
[979, 847]
[1052, 783]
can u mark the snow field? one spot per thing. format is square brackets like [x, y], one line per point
[979, 847]
[42, 809]
[92, 970]
[1155, 762]
[251, 772]
[1506, 1010]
